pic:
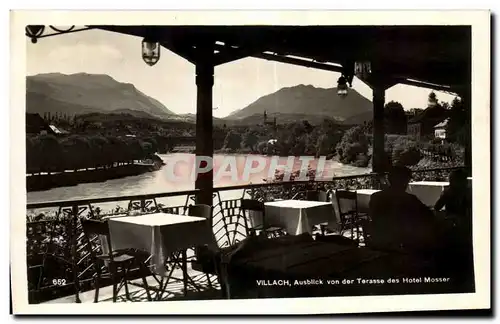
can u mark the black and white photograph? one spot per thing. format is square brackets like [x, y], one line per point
[170, 157]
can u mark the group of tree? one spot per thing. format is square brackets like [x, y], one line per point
[299, 138]
[47, 153]
[353, 147]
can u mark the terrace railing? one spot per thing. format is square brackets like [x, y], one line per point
[58, 264]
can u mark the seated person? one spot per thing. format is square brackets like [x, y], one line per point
[457, 198]
[399, 219]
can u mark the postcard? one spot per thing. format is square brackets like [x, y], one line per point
[250, 162]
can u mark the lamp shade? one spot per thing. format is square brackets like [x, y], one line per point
[362, 69]
[150, 51]
[342, 86]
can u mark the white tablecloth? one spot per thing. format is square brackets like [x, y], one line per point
[427, 191]
[159, 234]
[299, 216]
[362, 195]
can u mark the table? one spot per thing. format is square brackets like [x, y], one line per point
[363, 196]
[299, 216]
[160, 235]
[428, 191]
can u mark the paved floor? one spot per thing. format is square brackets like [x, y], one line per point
[174, 290]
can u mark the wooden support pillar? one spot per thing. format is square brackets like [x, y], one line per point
[378, 157]
[204, 127]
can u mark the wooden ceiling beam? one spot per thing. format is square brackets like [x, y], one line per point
[299, 62]
[227, 53]
[183, 51]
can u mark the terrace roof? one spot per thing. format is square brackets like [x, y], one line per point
[437, 55]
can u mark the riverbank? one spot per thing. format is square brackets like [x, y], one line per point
[41, 182]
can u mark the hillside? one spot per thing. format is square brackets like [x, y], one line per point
[258, 119]
[359, 118]
[307, 100]
[83, 93]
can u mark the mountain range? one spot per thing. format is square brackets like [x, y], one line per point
[83, 93]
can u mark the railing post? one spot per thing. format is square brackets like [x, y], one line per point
[74, 242]
[143, 205]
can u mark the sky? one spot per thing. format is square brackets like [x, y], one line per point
[172, 80]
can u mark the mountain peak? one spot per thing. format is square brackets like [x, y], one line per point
[82, 92]
[307, 100]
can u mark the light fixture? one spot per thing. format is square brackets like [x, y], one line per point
[150, 51]
[342, 86]
[362, 69]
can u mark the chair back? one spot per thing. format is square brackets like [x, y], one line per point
[347, 202]
[93, 230]
[205, 211]
[200, 210]
[255, 215]
[312, 195]
[323, 196]
[252, 204]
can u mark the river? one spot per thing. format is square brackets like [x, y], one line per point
[161, 181]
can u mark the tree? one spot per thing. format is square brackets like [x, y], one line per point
[353, 146]
[32, 155]
[456, 129]
[77, 152]
[147, 149]
[99, 152]
[395, 118]
[134, 149]
[232, 141]
[326, 143]
[51, 153]
[154, 144]
[120, 149]
[406, 154]
[250, 139]
[416, 111]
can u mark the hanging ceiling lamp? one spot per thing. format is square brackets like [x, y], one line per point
[362, 69]
[342, 86]
[150, 51]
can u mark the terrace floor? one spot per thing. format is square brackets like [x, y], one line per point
[174, 290]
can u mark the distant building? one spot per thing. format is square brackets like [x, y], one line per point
[269, 123]
[423, 124]
[440, 129]
[36, 125]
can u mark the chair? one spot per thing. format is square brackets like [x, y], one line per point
[312, 195]
[349, 216]
[210, 259]
[117, 262]
[318, 195]
[367, 230]
[251, 205]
